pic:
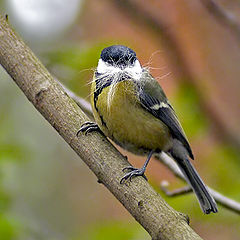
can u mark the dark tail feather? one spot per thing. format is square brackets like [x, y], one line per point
[206, 201]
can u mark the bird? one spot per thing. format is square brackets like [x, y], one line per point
[131, 108]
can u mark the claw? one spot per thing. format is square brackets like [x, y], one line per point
[129, 168]
[144, 176]
[134, 173]
[88, 127]
[137, 171]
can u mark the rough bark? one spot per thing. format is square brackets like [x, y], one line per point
[49, 98]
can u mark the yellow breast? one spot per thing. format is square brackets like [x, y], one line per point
[127, 123]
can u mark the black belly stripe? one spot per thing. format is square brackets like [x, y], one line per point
[95, 105]
[103, 123]
[101, 83]
[99, 87]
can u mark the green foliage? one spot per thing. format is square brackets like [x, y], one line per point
[7, 228]
[12, 152]
[225, 160]
[117, 230]
[187, 106]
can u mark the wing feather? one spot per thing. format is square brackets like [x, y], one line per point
[162, 110]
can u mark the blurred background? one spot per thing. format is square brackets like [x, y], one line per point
[46, 191]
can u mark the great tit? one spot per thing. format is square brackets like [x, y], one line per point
[130, 107]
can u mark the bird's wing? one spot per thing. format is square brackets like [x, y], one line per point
[153, 99]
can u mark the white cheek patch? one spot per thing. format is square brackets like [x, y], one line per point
[104, 67]
[133, 71]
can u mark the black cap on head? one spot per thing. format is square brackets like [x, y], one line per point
[118, 55]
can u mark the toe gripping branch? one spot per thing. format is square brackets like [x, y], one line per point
[136, 171]
[88, 127]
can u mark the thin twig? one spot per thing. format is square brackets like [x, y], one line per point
[82, 103]
[225, 17]
[176, 192]
[170, 164]
[220, 198]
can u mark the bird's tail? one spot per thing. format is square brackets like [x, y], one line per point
[206, 201]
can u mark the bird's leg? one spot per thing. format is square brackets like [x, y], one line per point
[88, 127]
[137, 171]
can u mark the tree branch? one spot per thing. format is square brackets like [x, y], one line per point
[82, 103]
[220, 198]
[224, 16]
[49, 98]
[179, 191]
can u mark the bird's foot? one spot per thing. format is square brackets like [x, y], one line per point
[88, 127]
[134, 172]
